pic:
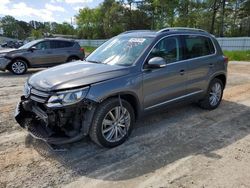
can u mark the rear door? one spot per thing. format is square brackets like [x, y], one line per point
[201, 59]
[61, 50]
[167, 84]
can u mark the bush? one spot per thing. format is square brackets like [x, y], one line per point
[88, 49]
[238, 55]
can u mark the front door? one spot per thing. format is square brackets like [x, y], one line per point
[166, 84]
[43, 55]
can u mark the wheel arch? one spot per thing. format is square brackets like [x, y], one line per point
[73, 56]
[21, 58]
[221, 77]
[131, 98]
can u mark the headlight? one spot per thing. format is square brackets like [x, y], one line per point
[2, 55]
[67, 97]
[26, 90]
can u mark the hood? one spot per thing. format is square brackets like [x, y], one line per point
[75, 74]
[6, 50]
[16, 51]
[11, 51]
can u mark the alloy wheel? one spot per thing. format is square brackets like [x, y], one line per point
[18, 67]
[115, 124]
[215, 94]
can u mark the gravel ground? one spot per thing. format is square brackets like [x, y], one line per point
[181, 147]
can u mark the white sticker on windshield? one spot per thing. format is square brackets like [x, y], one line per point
[137, 40]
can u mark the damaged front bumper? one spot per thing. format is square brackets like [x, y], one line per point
[55, 126]
[4, 62]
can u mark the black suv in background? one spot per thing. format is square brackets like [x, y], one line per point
[40, 53]
[128, 76]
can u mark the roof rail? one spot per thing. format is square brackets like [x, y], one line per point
[132, 31]
[180, 29]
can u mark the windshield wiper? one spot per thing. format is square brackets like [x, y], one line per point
[92, 61]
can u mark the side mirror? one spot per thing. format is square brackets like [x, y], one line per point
[156, 62]
[33, 48]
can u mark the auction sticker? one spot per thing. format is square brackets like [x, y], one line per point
[137, 40]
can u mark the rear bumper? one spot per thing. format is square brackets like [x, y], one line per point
[40, 126]
[4, 63]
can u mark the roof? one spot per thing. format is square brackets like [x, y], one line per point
[171, 30]
[60, 39]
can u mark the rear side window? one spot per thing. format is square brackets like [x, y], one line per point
[61, 44]
[168, 48]
[198, 46]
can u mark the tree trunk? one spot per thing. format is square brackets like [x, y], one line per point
[213, 17]
[222, 18]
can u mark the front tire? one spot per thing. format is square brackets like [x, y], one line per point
[213, 96]
[18, 67]
[112, 123]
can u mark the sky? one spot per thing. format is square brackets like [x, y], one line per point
[44, 10]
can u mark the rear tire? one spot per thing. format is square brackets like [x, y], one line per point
[73, 58]
[213, 96]
[18, 67]
[112, 124]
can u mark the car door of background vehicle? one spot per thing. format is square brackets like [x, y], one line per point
[199, 52]
[163, 85]
[42, 56]
[61, 50]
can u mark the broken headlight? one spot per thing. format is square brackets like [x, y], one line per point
[26, 90]
[68, 97]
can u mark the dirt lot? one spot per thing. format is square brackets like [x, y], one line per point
[184, 147]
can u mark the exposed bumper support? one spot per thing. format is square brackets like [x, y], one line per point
[40, 126]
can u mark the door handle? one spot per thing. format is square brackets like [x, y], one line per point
[182, 72]
[211, 65]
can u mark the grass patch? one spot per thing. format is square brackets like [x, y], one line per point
[238, 55]
[88, 49]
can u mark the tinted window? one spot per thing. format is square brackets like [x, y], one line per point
[168, 48]
[197, 46]
[43, 45]
[61, 44]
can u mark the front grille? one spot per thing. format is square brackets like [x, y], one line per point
[38, 96]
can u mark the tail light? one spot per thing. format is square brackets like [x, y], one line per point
[225, 59]
[82, 50]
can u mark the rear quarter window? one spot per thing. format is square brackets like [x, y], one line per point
[198, 46]
[62, 44]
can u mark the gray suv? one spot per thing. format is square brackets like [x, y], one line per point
[40, 53]
[129, 75]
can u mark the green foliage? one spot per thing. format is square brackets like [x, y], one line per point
[21, 30]
[88, 49]
[238, 55]
[220, 17]
[64, 28]
[36, 34]
[14, 28]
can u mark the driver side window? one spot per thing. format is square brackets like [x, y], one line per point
[43, 45]
[168, 48]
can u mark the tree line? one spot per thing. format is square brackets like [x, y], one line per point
[220, 17]
[21, 30]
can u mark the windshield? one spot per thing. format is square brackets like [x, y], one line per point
[121, 50]
[29, 44]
